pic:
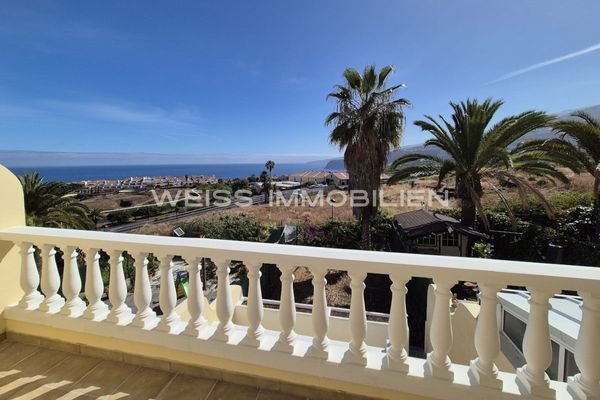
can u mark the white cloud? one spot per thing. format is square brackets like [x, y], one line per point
[543, 64]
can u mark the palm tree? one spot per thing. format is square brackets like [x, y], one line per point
[95, 215]
[473, 151]
[270, 165]
[47, 204]
[266, 183]
[367, 124]
[579, 144]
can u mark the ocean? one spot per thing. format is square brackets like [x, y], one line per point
[111, 172]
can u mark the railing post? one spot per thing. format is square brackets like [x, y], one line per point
[50, 281]
[357, 351]
[320, 316]
[287, 311]
[224, 301]
[255, 306]
[94, 287]
[144, 318]
[532, 379]
[586, 384]
[397, 358]
[483, 370]
[195, 301]
[30, 279]
[170, 321]
[120, 314]
[71, 285]
[438, 363]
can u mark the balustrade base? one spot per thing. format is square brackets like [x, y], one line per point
[74, 309]
[146, 320]
[52, 305]
[174, 326]
[195, 329]
[321, 353]
[96, 312]
[526, 386]
[478, 378]
[581, 390]
[122, 316]
[31, 301]
[284, 347]
[430, 370]
[253, 339]
[395, 365]
[352, 358]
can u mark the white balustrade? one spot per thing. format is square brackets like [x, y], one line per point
[438, 363]
[50, 281]
[224, 301]
[144, 318]
[170, 321]
[357, 350]
[71, 284]
[483, 370]
[586, 384]
[537, 349]
[254, 306]
[30, 278]
[397, 357]
[120, 313]
[195, 300]
[94, 287]
[287, 311]
[320, 316]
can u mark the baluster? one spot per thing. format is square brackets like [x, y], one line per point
[483, 370]
[50, 281]
[254, 307]
[224, 302]
[170, 321]
[144, 318]
[357, 351]
[438, 363]
[195, 300]
[30, 278]
[397, 358]
[71, 285]
[120, 314]
[532, 378]
[287, 311]
[320, 316]
[94, 287]
[586, 384]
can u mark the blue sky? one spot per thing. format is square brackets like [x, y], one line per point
[250, 79]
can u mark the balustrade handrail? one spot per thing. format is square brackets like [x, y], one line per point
[555, 276]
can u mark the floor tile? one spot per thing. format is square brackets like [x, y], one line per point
[143, 384]
[187, 387]
[230, 391]
[13, 353]
[271, 395]
[104, 379]
[41, 362]
[71, 369]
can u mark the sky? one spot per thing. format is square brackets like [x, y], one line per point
[249, 79]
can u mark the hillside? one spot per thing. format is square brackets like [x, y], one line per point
[338, 164]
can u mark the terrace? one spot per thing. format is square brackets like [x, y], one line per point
[235, 349]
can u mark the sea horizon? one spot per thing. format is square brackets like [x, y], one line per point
[113, 172]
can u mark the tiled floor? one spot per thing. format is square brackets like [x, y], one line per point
[31, 372]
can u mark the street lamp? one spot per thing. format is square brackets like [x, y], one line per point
[332, 202]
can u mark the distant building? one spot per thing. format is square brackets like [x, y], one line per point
[426, 232]
[310, 176]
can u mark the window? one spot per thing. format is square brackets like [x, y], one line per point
[429, 240]
[552, 370]
[570, 365]
[450, 239]
[514, 328]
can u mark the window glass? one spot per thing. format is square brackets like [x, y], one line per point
[428, 240]
[570, 365]
[514, 328]
[450, 239]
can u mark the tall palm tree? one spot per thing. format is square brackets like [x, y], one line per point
[47, 204]
[474, 150]
[95, 215]
[579, 143]
[367, 124]
[270, 165]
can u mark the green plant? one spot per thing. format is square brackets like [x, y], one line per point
[483, 250]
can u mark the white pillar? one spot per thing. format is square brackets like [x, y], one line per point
[287, 311]
[532, 378]
[397, 358]
[224, 302]
[71, 284]
[120, 314]
[170, 320]
[195, 300]
[94, 287]
[254, 307]
[586, 384]
[438, 363]
[30, 278]
[144, 318]
[320, 316]
[483, 370]
[50, 281]
[357, 351]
